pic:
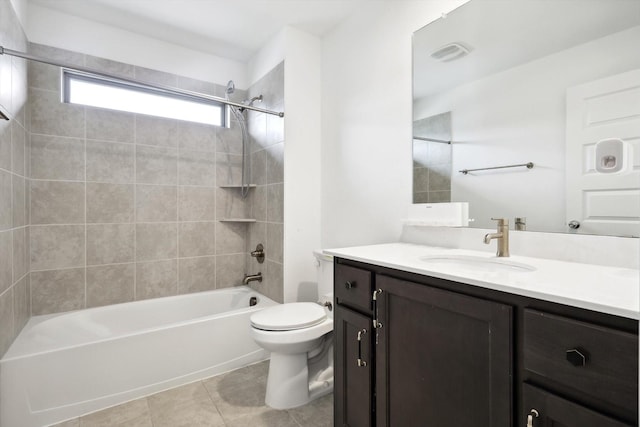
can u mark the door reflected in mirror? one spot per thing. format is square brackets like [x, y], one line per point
[512, 83]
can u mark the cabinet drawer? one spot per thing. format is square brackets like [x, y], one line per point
[594, 360]
[353, 287]
[552, 410]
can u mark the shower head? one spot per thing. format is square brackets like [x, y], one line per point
[231, 87]
[249, 102]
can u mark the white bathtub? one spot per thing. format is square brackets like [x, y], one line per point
[65, 365]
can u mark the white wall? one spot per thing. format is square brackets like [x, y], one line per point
[518, 116]
[366, 121]
[302, 135]
[53, 28]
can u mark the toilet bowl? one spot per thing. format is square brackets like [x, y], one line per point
[300, 338]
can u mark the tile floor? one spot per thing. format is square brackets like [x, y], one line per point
[234, 399]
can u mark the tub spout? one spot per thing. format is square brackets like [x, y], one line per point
[252, 278]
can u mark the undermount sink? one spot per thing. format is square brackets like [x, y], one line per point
[477, 263]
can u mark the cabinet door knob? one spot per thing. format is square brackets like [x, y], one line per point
[577, 357]
[349, 285]
[532, 414]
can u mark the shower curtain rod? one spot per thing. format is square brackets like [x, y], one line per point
[166, 89]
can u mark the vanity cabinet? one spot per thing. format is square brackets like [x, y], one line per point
[423, 351]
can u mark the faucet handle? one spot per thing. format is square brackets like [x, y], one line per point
[501, 221]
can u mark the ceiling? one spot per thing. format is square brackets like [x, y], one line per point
[233, 29]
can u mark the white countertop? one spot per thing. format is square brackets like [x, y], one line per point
[605, 289]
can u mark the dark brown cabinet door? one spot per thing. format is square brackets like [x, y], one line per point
[442, 359]
[353, 369]
[548, 410]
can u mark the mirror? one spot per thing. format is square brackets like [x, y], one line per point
[513, 104]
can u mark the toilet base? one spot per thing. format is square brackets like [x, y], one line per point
[294, 380]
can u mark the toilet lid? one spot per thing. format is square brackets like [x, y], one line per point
[286, 317]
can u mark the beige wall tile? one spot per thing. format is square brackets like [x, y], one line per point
[230, 204]
[156, 131]
[110, 243]
[6, 260]
[156, 203]
[272, 286]
[110, 162]
[57, 246]
[230, 238]
[258, 199]
[51, 117]
[59, 158]
[228, 169]
[275, 203]
[230, 270]
[156, 279]
[6, 320]
[20, 254]
[18, 138]
[19, 201]
[156, 241]
[6, 196]
[55, 291]
[156, 165]
[21, 304]
[110, 284]
[5, 145]
[196, 274]
[109, 125]
[259, 167]
[110, 202]
[196, 203]
[274, 242]
[197, 238]
[275, 163]
[196, 136]
[197, 168]
[55, 202]
[229, 140]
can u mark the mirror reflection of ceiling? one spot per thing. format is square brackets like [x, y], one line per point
[492, 32]
[543, 82]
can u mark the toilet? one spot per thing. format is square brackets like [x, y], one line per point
[300, 338]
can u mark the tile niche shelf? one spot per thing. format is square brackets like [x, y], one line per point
[238, 220]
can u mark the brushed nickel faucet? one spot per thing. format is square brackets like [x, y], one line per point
[502, 236]
[252, 278]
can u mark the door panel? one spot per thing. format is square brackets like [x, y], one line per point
[604, 109]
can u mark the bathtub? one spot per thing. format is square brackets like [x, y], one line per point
[65, 365]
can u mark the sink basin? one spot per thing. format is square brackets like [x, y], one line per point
[477, 263]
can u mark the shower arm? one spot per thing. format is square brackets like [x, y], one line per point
[162, 88]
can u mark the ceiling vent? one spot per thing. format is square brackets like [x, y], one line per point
[450, 52]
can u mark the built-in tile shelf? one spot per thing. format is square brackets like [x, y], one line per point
[238, 186]
[245, 220]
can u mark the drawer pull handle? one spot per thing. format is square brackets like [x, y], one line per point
[577, 357]
[349, 285]
[361, 362]
[532, 414]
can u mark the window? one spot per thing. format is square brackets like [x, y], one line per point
[97, 91]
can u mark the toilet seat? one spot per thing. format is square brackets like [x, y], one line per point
[288, 317]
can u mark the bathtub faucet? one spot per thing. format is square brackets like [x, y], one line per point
[252, 278]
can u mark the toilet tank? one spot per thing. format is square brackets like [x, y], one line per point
[324, 264]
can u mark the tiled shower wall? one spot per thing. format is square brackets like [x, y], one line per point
[127, 207]
[14, 182]
[267, 171]
[432, 160]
